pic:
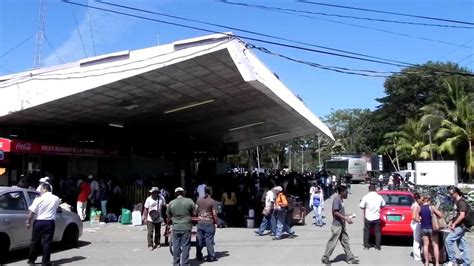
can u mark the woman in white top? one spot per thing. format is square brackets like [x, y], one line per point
[415, 226]
[390, 182]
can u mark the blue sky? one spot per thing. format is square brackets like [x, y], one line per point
[321, 90]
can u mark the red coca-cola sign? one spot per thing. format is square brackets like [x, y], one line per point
[18, 146]
[23, 146]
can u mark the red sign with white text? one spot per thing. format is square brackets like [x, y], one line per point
[20, 146]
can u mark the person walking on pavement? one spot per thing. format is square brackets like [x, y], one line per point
[152, 217]
[268, 220]
[44, 208]
[458, 230]
[180, 211]
[380, 182]
[84, 191]
[370, 205]
[415, 226]
[317, 204]
[206, 227]
[339, 230]
[281, 207]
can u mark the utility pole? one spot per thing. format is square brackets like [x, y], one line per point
[289, 158]
[319, 150]
[258, 160]
[37, 63]
[302, 158]
[429, 136]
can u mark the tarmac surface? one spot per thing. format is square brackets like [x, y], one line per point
[115, 244]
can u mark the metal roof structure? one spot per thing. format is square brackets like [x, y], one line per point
[210, 87]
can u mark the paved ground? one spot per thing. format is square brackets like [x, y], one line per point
[114, 244]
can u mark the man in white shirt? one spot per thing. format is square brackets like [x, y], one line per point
[268, 219]
[152, 217]
[44, 208]
[371, 204]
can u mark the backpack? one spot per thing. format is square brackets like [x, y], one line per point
[469, 218]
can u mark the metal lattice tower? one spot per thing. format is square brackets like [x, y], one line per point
[40, 34]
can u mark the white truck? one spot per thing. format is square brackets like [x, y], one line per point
[435, 173]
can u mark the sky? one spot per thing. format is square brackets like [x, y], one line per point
[73, 32]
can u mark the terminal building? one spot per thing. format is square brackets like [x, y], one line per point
[162, 111]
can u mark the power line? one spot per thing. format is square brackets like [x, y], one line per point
[16, 46]
[79, 32]
[243, 37]
[354, 25]
[344, 70]
[251, 32]
[468, 63]
[53, 49]
[387, 12]
[346, 16]
[465, 58]
[269, 42]
[90, 28]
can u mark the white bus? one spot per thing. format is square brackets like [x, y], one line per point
[356, 167]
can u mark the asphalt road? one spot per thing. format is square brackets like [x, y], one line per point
[115, 244]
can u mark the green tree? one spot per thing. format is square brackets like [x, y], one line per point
[409, 91]
[353, 130]
[413, 141]
[453, 119]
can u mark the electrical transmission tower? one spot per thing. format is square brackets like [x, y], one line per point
[40, 34]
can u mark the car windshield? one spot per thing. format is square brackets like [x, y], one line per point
[397, 199]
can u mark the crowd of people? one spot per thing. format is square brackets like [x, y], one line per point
[269, 195]
[81, 194]
[427, 221]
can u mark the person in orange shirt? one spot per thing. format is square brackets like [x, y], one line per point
[84, 191]
[281, 208]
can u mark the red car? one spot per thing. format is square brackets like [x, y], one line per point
[395, 217]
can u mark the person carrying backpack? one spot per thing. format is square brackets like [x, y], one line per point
[461, 222]
[281, 208]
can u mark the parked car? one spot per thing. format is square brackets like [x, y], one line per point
[14, 203]
[396, 216]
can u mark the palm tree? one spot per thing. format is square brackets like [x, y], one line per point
[453, 118]
[412, 141]
[392, 141]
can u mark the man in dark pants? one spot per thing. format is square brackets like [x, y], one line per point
[152, 217]
[206, 227]
[180, 211]
[339, 230]
[44, 208]
[370, 205]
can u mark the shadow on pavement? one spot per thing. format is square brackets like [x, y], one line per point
[22, 254]
[219, 254]
[338, 258]
[68, 260]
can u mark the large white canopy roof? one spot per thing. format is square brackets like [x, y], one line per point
[211, 87]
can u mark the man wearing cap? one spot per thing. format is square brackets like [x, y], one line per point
[180, 211]
[42, 181]
[152, 217]
[281, 208]
[43, 212]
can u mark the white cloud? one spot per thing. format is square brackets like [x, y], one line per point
[106, 29]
